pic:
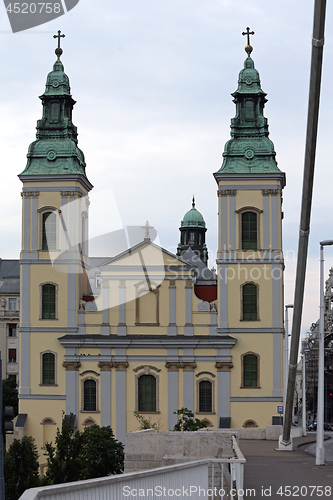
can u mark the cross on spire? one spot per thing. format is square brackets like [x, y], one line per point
[248, 33]
[58, 50]
[147, 227]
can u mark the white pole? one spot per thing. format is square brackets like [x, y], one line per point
[320, 450]
[303, 397]
[285, 359]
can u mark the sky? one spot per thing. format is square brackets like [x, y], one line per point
[153, 83]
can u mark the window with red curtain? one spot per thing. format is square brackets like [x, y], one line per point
[12, 356]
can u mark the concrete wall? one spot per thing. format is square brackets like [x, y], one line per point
[147, 449]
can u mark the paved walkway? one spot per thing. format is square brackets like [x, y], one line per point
[280, 474]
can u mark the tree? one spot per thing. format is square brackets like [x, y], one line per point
[101, 454]
[63, 459]
[21, 467]
[83, 455]
[186, 421]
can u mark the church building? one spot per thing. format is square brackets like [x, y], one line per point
[146, 331]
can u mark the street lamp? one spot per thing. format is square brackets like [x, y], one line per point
[285, 355]
[320, 450]
[303, 394]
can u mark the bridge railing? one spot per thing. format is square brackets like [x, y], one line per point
[215, 479]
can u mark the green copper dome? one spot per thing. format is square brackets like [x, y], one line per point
[192, 234]
[55, 152]
[249, 150]
[57, 82]
[193, 218]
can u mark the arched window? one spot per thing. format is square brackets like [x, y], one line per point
[49, 231]
[250, 370]
[89, 395]
[147, 393]
[205, 396]
[48, 368]
[48, 301]
[249, 302]
[249, 231]
[49, 430]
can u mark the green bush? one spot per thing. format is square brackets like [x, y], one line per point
[187, 421]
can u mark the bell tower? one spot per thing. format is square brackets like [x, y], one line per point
[54, 254]
[193, 234]
[250, 259]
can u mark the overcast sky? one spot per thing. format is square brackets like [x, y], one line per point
[152, 81]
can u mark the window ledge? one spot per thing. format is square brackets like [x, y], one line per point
[147, 324]
[205, 413]
[90, 411]
[137, 412]
[48, 385]
[245, 387]
[249, 320]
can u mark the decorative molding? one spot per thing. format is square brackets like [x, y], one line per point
[227, 192]
[203, 306]
[146, 369]
[121, 366]
[223, 366]
[30, 194]
[105, 366]
[90, 306]
[71, 366]
[173, 366]
[68, 193]
[48, 421]
[188, 366]
[266, 192]
[89, 421]
[90, 371]
[205, 373]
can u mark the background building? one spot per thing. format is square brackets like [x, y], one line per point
[310, 349]
[9, 317]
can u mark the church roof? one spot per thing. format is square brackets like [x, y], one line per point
[9, 276]
[193, 218]
[202, 272]
[55, 152]
[249, 151]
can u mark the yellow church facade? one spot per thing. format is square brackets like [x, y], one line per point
[146, 331]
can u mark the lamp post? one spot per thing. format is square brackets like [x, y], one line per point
[285, 354]
[303, 396]
[320, 450]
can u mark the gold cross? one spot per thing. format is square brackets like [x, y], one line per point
[59, 36]
[248, 33]
[147, 227]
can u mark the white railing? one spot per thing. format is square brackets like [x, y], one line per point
[215, 479]
[237, 469]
